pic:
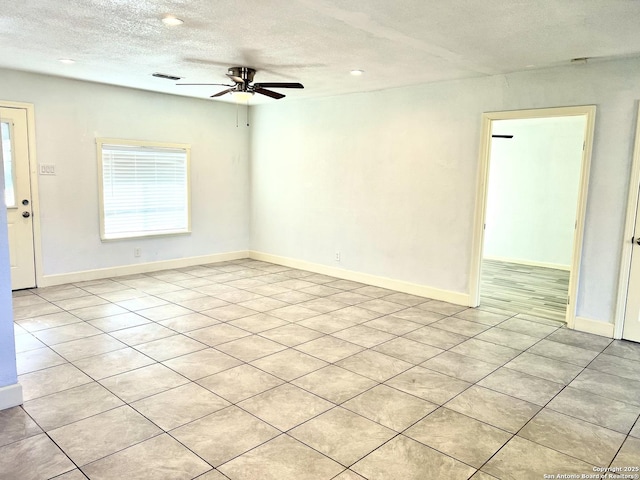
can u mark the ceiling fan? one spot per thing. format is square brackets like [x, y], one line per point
[243, 78]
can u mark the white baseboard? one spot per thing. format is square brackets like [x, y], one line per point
[604, 329]
[384, 282]
[531, 263]
[10, 396]
[99, 273]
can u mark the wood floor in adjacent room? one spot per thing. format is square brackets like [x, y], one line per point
[521, 288]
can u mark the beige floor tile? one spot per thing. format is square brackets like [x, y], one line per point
[156, 458]
[229, 312]
[71, 405]
[51, 380]
[527, 327]
[408, 350]
[143, 382]
[329, 348]
[436, 337]
[289, 364]
[328, 323]
[239, 383]
[66, 333]
[464, 438]
[80, 302]
[545, 368]
[508, 338]
[348, 475]
[72, 475]
[88, 347]
[324, 304]
[374, 365]
[141, 302]
[460, 326]
[520, 385]
[170, 347]
[202, 303]
[258, 323]
[285, 406]
[418, 315]
[629, 455]
[459, 366]
[355, 314]
[364, 336]
[223, 435]
[118, 322]
[281, 458]
[33, 458]
[521, 459]
[16, 425]
[48, 321]
[173, 408]
[635, 431]
[263, 304]
[406, 299]
[113, 363]
[187, 323]
[98, 311]
[250, 348]
[202, 363]
[582, 440]
[33, 360]
[485, 351]
[624, 349]
[481, 316]
[142, 334]
[101, 435]
[26, 341]
[36, 310]
[443, 308]
[393, 325]
[407, 459]
[342, 435]
[622, 367]
[291, 334]
[217, 334]
[494, 408]
[334, 383]
[428, 384]
[293, 313]
[580, 339]
[390, 407]
[609, 386]
[563, 352]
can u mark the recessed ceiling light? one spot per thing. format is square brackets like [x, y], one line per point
[67, 61]
[172, 20]
[356, 73]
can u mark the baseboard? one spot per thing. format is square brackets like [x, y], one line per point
[99, 273]
[384, 282]
[604, 329]
[10, 396]
[530, 263]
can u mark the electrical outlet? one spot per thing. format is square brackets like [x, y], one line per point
[47, 169]
[337, 256]
[136, 252]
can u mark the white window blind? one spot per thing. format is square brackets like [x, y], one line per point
[144, 190]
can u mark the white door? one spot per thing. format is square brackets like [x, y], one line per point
[17, 190]
[632, 316]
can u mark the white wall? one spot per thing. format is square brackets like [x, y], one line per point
[389, 178]
[71, 114]
[534, 179]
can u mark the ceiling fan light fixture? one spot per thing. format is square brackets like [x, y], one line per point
[172, 20]
[356, 73]
[242, 96]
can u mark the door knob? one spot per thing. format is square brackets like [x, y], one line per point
[638, 240]
[26, 214]
[25, 202]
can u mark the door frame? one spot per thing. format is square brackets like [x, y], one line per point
[33, 182]
[629, 227]
[482, 191]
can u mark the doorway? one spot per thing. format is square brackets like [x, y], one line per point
[533, 177]
[627, 322]
[14, 137]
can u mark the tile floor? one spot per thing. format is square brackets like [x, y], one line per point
[245, 370]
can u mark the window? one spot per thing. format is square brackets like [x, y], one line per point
[144, 188]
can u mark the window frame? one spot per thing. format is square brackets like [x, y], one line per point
[100, 142]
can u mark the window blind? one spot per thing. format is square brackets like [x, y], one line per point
[144, 190]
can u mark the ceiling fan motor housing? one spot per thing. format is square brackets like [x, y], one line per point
[245, 73]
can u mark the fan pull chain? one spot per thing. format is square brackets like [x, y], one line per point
[247, 114]
[237, 107]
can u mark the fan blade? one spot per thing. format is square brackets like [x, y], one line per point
[221, 84]
[268, 93]
[234, 78]
[278, 85]
[219, 94]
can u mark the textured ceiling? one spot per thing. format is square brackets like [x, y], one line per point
[315, 42]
